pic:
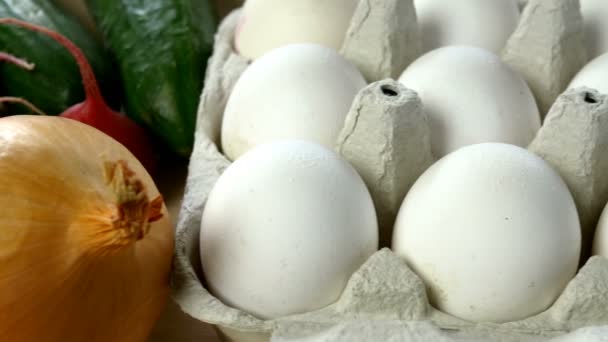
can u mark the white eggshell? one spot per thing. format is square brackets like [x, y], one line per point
[483, 23]
[284, 228]
[593, 75]
[300, 91]
[471, 96]
[268, 24]
[600, 243]
[595, 18]
[493, 231]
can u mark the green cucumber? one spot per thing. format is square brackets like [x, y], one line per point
[162, 48]
[55, 84]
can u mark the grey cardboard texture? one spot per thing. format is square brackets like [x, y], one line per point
[386, 129]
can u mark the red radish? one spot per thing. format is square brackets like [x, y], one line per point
[94, 111]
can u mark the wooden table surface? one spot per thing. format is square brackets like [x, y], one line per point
[174, 325]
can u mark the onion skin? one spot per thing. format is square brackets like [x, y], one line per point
[70, 269]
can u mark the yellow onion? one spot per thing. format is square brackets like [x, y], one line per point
[85, 241]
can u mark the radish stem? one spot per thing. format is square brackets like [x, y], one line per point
[24, 102]
[88, 76]
[17, 61]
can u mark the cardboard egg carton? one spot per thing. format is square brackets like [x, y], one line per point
[386, 137]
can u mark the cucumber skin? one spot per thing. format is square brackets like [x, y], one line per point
[162, 48]
[55, 84]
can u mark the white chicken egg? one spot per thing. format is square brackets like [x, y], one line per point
[600, 243]
[299, 91]
[284, 228]
[471, 97]
[483, 23]
[493, 231]
[268, 24]
[595, 14]
[593, 75]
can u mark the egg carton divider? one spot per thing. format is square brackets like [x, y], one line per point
[552, 30]
[383, 115]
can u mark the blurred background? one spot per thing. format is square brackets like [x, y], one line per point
[175, 326]
[78, 8]
[225, 6]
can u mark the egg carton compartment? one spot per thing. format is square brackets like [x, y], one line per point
[386, 137]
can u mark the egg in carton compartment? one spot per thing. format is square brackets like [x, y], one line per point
[385, 297]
